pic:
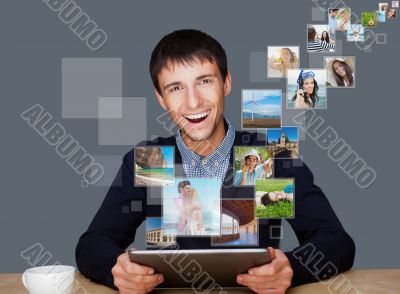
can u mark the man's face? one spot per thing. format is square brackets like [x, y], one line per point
[194, 94]
[185, 190]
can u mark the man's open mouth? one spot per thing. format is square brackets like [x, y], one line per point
[197, 118]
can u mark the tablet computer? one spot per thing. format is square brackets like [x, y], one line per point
[200, 268]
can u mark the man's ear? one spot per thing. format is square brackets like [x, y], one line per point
[161, 100]
[227, 84]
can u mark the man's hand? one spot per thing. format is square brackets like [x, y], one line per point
[132, 278]
[271, 278]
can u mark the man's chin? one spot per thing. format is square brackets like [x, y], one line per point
[198, 136]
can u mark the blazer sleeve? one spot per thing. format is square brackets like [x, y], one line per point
[325, 248]
[113, 228]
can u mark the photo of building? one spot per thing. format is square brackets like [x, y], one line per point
[284, 142]
[155, 236]
[238, 224]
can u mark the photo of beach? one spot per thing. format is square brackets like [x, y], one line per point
[154, 166]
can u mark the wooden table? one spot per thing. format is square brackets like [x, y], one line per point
[363, 281]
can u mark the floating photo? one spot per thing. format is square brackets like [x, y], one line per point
[261, 109]
[339, 19]
[154, 166]
[381, 16]
[306, 88]
[383, 6]
[274, 198]
[369, 19]
[285, 142]
[340, 71]
[192, 207]
[319, 39]
[156, 238]
[391, 14]
[282, 58]
[395, 4]
[252, 162]
[238, 224]
[355, 33]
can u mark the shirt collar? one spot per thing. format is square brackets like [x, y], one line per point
[216, 156]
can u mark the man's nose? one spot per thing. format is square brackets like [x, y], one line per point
[193, 97]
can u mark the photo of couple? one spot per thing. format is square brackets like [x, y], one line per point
[195, 211]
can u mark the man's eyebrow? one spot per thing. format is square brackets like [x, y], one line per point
[205, 76]
[171, 84]
[177, 83]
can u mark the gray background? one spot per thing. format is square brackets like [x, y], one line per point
[41, 196]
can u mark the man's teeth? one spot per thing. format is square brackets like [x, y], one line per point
[197, 116]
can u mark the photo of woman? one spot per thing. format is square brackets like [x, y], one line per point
[308, 88]
[280, 59]
[338, 20]
[383, 6]
[391, 13]
[340, 71]
[315, 36]
[194, 218]
[325, 36]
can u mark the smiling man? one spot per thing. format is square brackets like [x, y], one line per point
[191, 79]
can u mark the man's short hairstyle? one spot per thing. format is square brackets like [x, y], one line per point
[182, 185]
[186, 46]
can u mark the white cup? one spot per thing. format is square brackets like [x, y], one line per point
[52, 279]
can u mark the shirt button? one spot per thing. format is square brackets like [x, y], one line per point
[204, 161]
[193, 163]
[216, 163]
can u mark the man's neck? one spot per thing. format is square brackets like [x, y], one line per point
[206, 147]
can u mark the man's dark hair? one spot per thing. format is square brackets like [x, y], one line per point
[182, 185]
[186, 46]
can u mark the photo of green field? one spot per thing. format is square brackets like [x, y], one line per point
[280, 207]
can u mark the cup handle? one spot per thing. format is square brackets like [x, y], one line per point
[24, 281]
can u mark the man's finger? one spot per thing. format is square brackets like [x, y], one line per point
[134, 268]
[138, 283]
[125, 285]
[257, 279]
[268, 269]
[271, 268]
[139, 279]
[272, 253]
[259, 290]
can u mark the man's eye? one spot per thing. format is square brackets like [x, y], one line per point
[174, 89]
[205, 81]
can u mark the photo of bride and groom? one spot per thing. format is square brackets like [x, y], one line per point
[195, 211]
